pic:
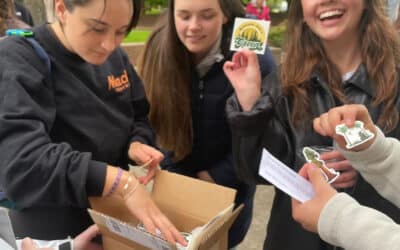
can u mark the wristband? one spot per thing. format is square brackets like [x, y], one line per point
[116, 182]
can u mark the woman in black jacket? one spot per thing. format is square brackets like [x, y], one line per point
[182, 69]
[69, 129]
[343, 51]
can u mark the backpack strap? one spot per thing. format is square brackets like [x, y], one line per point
[40, 52]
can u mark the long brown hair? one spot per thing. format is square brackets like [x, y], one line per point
[380, 49]
[6, 14]
[165, 69]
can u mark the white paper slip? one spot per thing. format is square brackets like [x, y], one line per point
[284, 178]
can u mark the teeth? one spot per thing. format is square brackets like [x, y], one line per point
[330, 14]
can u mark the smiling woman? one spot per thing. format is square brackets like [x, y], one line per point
[187, 90]
[337, 52]
[69, 133]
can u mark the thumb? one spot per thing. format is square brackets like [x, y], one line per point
[316, 177]
[89, 233]
[27, 244]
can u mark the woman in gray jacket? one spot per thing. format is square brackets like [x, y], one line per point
[330, 212]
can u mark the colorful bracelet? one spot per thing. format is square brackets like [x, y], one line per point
[116, 182]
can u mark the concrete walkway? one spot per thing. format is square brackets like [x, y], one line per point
[262, 206]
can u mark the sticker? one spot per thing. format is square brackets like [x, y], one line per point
[250, 34]
[135, 234]
[354, 136]
[186, 236]
[313, 157]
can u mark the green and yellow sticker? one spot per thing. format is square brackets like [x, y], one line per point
[251, 34]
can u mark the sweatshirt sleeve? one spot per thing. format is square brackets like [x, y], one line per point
[344, 222]
[35, 171]
[379, 165]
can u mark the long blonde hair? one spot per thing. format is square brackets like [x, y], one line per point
[380, 50]
[165, 67]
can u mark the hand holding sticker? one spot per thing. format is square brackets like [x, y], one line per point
[355, 135]
[313, 157]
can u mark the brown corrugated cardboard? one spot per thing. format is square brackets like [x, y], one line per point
[187, 202]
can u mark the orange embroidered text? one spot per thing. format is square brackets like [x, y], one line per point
[118, 84]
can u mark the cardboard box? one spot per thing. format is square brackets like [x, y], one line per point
[187, 202]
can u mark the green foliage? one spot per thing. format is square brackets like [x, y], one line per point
[277, 34]
[155, 3]
[153, 11]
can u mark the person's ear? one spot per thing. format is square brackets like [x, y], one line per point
[60, 10]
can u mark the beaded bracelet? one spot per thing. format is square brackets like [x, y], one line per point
[126, 187]
[116, 182]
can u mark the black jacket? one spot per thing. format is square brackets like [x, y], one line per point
[212, 145]
[267, 126]
[211, 132]
[60, 129]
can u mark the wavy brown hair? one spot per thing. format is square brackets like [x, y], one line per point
[165, 68]
[6, 14]
[380, 51]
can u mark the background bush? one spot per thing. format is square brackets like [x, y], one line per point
[276, 34]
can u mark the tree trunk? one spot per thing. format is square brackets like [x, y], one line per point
[37, 9]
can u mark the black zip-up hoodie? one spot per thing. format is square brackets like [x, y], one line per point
[60, 129]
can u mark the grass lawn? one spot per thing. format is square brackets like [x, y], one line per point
[137, 36]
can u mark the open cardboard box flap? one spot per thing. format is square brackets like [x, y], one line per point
[187, 202]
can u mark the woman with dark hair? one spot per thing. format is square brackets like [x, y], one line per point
[338, 52]
[182, 68]
[69, 129]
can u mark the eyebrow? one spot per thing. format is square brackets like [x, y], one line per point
[203, 10]
[97, 21]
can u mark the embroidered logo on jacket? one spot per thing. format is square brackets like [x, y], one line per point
[118, 84]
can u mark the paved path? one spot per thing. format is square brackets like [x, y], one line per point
[262, 206]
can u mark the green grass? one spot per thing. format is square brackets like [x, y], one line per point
[137, 36]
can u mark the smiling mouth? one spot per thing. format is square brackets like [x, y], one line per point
[333, 14]
[195, 38]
